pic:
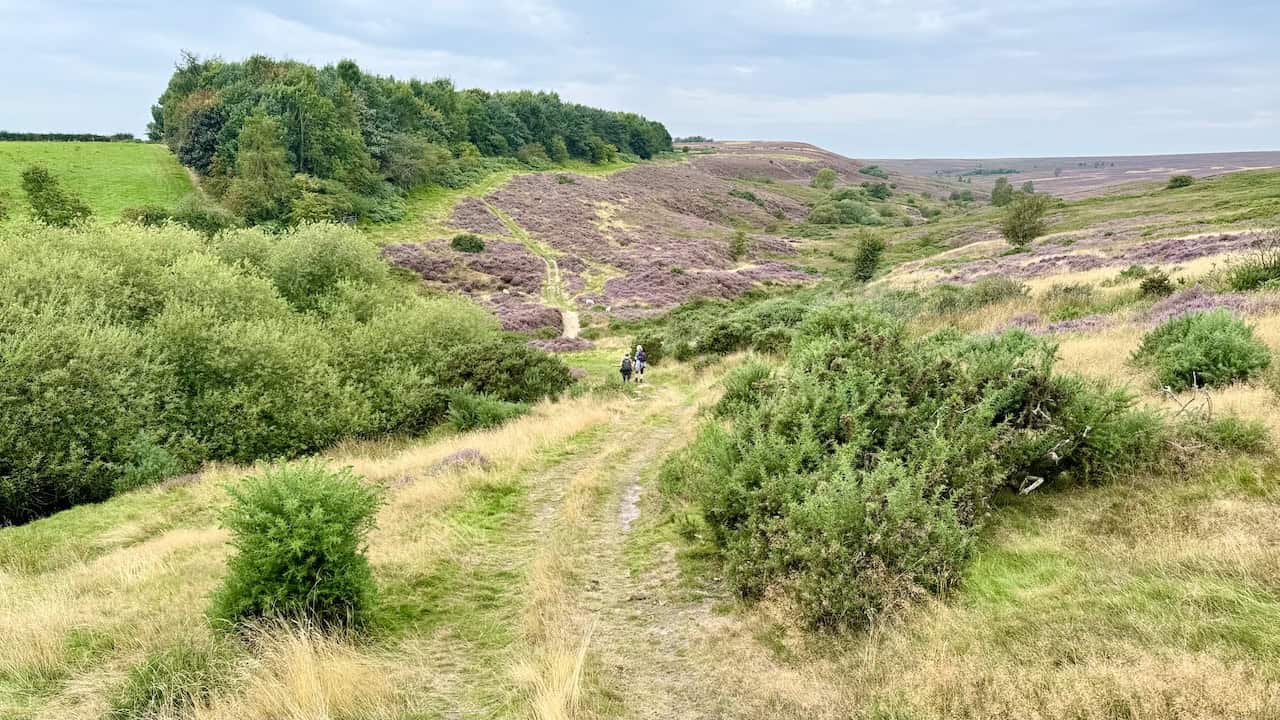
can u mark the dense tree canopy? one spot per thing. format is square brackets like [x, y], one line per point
[343, 131]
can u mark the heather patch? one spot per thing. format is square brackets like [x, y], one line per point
[472, 214]
[1200, 299]
[1053, 259]
[521, 314]
[562, 344]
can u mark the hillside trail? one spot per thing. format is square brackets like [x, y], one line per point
[610, 631]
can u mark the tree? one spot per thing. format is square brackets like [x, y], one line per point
[1180, 181]
[263, 184]
[878, 190]
[1002, 193]
[738, 246]
[866, 259]
[824, 180]
[1029, 187]
[1024, 219]
[50, 203]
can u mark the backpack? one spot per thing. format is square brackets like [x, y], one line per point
[626, 365]
[640, 356]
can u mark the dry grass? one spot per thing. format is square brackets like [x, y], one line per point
[301, 674]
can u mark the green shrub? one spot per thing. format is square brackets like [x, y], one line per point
[1156, 284]
[746, 195]
[50, 203]
[298, 532]
[467, 242]
[774, 340]
[1261, 269]
[877, 190]
[824, 179]
[1024, 219]
[1068, 301]
[146, 215]
[468, 411]
[203, 215]
[1180, 181]
[860, 476]
[743, 387]
[563, 179]
[738, 245]
[308, 264]
[866, 257]
[654, 347]
[1203, 349]
[874, 171]
[505, 368]
[1227, 434]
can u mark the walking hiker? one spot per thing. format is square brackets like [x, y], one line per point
[641, 363]
[626, 368]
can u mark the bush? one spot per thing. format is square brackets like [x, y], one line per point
[654, 347]
[861, 475]
[505, 368]
[203, 215]
[50, 203]
[1179, 181]
[146, 215]
[1262, 269]
[467, 242]
[468, 411]
[1204, 349]
[299, 533]
[1024, 219]
[877, 190]
[866, 258]
[824, 179]
[1156, 285]
[743, 387]
[738, 245]
[874, 171]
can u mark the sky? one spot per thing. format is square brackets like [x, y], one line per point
[866, 78]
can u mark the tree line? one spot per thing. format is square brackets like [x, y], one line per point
[280, 140]
[7, 136]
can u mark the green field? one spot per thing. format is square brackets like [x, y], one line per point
[109, 176]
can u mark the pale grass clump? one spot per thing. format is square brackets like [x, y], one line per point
[299, 673]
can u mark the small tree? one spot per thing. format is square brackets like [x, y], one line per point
[299, 536]
[738, 246]
[1029, 187]
[1002, 193]
[50, 203]
[866, 259]
[1180, 181]
[1024, 219]
[263, 184]
[824, 180]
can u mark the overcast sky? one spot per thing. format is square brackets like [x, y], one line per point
[868, 78]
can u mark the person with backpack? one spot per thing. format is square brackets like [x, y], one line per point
[641, 363]
[626, 368]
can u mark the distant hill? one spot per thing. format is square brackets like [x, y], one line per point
[109, 175]
[1078, 177]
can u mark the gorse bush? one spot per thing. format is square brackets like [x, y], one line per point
[866, 258]
[858, 477]
[50, 202]
[467, 242]
[1203, 349]
[1156, 284]
[298, 533]
[1180, 181]
[131, 354]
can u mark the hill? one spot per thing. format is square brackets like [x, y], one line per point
[1080, 177]
[1027, 519]
[110, 176]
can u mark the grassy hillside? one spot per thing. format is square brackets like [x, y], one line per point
[561, 573]
[109, 176]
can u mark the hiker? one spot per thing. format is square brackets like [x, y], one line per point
[626, 368]
[641, 363]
